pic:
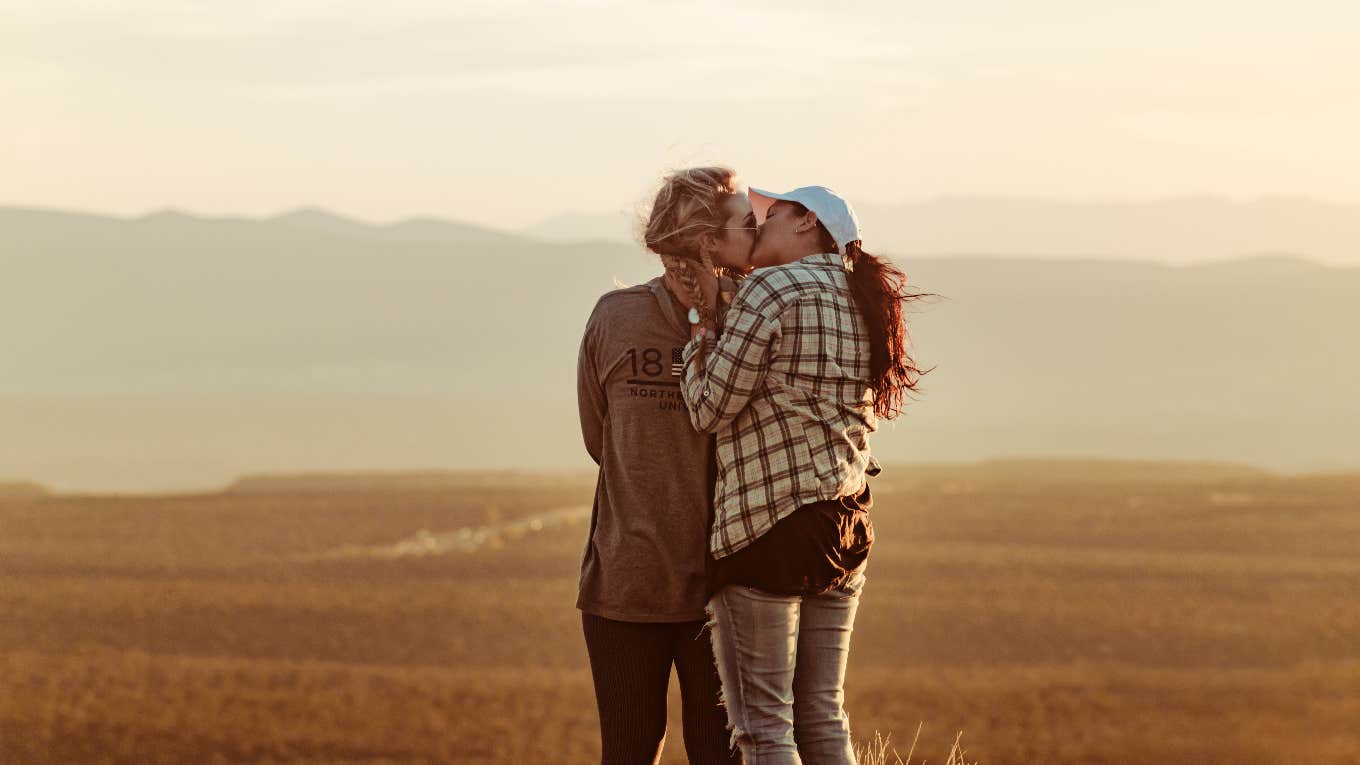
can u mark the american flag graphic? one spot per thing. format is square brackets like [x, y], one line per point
[677, 362]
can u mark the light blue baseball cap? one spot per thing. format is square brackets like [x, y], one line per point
[833, 210]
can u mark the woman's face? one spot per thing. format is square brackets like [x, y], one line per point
[777, 242]
[737, 235]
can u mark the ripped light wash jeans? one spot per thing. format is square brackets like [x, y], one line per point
[782, 661]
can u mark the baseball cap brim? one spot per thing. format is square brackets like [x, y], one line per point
[833, 211]
[762, 201]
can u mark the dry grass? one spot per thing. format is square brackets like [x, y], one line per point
[876, 752]
[1122, 620]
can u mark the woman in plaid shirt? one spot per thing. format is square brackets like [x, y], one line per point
[812, 351]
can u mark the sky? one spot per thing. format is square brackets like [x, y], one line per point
[508, 112]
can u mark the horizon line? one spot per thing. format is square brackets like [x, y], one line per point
[349, 217]
[44, 489]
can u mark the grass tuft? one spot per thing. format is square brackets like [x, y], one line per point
[878, 751]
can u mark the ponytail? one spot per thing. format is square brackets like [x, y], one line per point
[880, 290]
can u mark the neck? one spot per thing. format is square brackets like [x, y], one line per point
[799, 254]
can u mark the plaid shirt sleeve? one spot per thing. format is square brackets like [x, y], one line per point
[734, 366]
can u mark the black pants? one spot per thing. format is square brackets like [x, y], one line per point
[631, 664]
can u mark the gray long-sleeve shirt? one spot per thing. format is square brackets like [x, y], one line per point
[648, 547]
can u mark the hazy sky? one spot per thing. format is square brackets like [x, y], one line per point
[508, 112]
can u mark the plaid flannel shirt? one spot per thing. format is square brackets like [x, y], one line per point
[786, 388]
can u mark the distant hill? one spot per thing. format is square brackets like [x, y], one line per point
[1182, 230]
[1045, 471]
[172, 350]
[21, 490]
[405, 480]
[25, 227]
[1041, 473]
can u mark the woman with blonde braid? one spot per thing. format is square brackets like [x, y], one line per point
[644, 572]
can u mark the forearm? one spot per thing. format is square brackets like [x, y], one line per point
[722, 373]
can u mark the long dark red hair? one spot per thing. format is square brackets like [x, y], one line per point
[881, 293]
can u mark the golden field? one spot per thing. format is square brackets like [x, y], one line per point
[1056, 612]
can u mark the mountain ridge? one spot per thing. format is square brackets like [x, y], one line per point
[207, 348]
[1009, 235]
[1172, 229]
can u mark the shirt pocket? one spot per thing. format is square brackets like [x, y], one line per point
[821, 458]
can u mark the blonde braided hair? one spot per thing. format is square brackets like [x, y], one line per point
[679, 268]
[688, 204]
